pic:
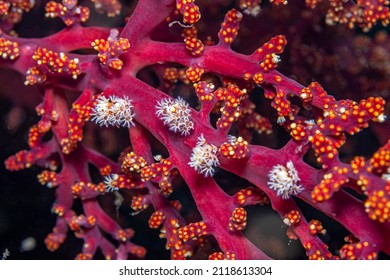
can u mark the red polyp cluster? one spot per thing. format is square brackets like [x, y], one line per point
[183, 126]
[110, 49]
[68, 11]
[229, 27]
[8, 49]
[50, 62]
[189, 10]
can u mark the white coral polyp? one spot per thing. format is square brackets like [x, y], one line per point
[284, 180]
[176, 114]
[113, 111]
[204, 157]
[111, 182]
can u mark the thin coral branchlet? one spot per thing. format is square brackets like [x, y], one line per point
[204, 157]
[284, 180]
[176, 114]
[113, 111]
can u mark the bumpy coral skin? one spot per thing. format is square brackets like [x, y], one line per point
[198, 122]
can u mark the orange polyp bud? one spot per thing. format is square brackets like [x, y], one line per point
[171, 75]
[132, 163]
[204, 91]
[258, 78]
[48, 178]
[292, 218]
[229, 27]
[110, 49]
[238, 219]
[267, 53]
[325, 148]
[316, 227]
[221, 256]
[193, 231]
[378, 204]
[55, 63]
[69, 12]
[8, 49]
[331, 183]
[235, 148]
[156, 219]
[360, 250]
[194, 46]
[194, 73]
[139, 203]
[231, 110]
[379, 163]
[189, 10]
[124, 234]
[54, 240]
[306, 93]
[357, 164]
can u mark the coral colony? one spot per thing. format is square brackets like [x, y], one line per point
[199, 110]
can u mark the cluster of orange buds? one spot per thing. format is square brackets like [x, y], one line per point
[4, 7]
[378, 204]
[193, 231]
[140, 202]
[194, 73]
[283, 106]
[35, 75]
[189, 10]
[292, 218]
[54, 240]
[12, 11]
[179, 249]
[231, 110]
[79, 114]
[132, 162]
[364, 14]
[111, 7]
[36, 133]
[48, 178]
[316, 251]
[204, 91]
[331, 183]
[68, 11]
[172, 75]
[85, 190]
[268, 53]
[24, 159]
[325, 148]
[229, 27]
[250, 196]
[110, 49]
[300, 130]
[250, 7]
[194, 46]
[315, 227]
[360, 250]
[235, 148]
[8, 49]
[124, 235]
[52, 62]
[217, 256]
[255, 121]
[77, 223]
[156, 219]
[157, 170]
[238, 219]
